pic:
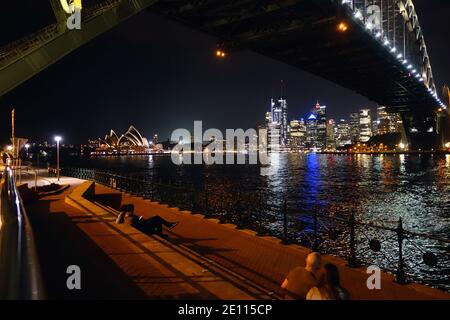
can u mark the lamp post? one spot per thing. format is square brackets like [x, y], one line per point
[57, 139]
[27, 146]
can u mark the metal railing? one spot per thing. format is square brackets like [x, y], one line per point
[20, 276]
[410, 256]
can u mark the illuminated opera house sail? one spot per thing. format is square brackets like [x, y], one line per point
[130, 142]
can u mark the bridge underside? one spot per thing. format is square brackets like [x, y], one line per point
[304, 33]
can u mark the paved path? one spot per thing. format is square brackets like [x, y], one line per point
[264, 261]
[117, 261]
[28, 176]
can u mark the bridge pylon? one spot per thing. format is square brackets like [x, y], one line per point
[421, 128]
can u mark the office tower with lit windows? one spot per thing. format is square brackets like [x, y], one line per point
[365, 125]
[275, 113]
[383, 121]
[387, 122]
[268, 117]
[321, 118]
[343, 133]
[271, 118]
[284, 121]
[311, 131]
[331, 138]
[374, 127]
[279, 116]
[354, 127]
[395, 122]
[297, 134]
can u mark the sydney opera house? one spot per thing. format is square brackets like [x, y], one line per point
[131, 142]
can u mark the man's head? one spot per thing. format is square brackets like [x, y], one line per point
[313, 262]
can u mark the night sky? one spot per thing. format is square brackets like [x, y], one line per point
[159, 76]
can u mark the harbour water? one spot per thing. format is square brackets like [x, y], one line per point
[310, 197]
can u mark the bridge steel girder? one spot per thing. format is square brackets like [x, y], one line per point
[16, 71]
[411, 18]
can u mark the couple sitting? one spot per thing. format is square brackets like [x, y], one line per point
[312, 283]
[153, 225]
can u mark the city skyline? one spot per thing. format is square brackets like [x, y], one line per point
[145, 87]
[319, 132]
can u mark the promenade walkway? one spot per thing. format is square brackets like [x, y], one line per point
[202, 259]
[119, 262]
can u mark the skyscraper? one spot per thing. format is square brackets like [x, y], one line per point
[354, 127]
[279, 118]
[343, 134]
[275, 112]
[273, 127]
[331, 139]
[311, 131]
[284, 121]
[268, 117]
[388, 122]
[383, 121]
[297, 135]
[321, 116]
[395, 122]
[365, 125]
[374, 127]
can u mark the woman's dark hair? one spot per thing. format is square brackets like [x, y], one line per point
[332, 281]
[332, 275]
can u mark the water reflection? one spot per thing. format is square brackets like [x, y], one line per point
[311, 183]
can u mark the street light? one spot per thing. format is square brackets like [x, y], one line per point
[57, 139]
[27, 146]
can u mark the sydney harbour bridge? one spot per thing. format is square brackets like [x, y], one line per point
[373, 47]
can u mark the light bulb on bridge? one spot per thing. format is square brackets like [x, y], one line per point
[220, 54]
[343, 27]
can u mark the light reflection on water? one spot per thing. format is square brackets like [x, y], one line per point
[378, 189]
